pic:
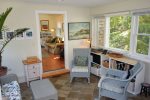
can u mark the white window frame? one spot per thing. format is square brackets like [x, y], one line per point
[108, 33]
[133, 39]
[135, 32]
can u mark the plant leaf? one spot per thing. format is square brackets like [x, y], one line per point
[3, 17]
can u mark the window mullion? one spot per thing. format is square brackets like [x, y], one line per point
[107, 33]
[133, 38]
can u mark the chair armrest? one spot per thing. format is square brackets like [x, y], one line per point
[119, 82]
[8, 78]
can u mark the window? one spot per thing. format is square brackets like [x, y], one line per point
[120, 29]
[128, 33]
[143, 34]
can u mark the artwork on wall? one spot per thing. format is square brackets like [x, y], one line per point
[28, 34]
[1, 36]
[9, 35]
[78, 30]
[44, 25]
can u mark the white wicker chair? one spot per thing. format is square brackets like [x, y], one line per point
[80, 70]
[116, 87]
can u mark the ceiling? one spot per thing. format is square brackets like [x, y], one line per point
[82, 3]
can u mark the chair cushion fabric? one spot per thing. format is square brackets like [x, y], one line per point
[80, 69]
[110, 87]
[81, 61]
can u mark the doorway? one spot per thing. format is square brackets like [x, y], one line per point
[52, 28]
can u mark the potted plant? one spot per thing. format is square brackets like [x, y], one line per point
[17, 32]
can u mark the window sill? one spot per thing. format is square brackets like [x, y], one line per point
[134, 56]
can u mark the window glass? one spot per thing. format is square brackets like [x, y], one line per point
[143, 34]
[142, 44]
[144, 24]
[120, 29]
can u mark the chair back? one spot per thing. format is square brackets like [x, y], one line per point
[81, 52]
[135, 70]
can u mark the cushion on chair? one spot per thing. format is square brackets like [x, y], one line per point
[81, 61]
[80, 69]
[110, 87]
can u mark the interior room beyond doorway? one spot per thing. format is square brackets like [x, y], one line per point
[52, 41]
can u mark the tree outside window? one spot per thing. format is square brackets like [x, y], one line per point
[120, 29]
[143, 35]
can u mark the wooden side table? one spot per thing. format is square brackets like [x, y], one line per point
[32, 70]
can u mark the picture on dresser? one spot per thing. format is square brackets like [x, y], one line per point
[78, 30]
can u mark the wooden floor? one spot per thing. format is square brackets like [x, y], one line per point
[51, 62]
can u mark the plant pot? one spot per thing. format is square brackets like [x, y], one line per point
[3, 70]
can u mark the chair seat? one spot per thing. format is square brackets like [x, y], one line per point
[111, 87]
[80, 69]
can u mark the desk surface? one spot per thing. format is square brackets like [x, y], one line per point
[124, 59]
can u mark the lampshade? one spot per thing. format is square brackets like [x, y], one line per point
[52, 29]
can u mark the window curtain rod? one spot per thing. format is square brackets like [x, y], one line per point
[133, 11]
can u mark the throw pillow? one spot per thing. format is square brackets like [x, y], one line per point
[81, 61]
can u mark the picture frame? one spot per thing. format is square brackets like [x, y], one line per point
[2, 36]
[78, 30]
[9, 34]
[44, 25]
[29, 34]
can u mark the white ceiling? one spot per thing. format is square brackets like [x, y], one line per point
[83, 3]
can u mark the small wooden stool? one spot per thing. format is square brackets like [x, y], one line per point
[145, 88]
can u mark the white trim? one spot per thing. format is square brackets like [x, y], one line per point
[107, 32]
[117, 14]
[144, 34]
[65, 33]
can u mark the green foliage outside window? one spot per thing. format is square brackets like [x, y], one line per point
[120, 32]
[120, 29]
[143, 41]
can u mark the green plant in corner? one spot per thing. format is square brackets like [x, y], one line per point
[17, 32]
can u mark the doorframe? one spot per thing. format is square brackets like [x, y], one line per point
[66, 55]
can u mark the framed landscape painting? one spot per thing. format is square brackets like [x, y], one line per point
[44, 25]
[78, 30]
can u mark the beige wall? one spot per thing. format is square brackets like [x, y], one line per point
[23, 15]
[125, 6]
[121, 6]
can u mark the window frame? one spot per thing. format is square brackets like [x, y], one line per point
[107, 34]
[133, 38]
[136, 26]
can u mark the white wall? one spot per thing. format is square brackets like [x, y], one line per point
[121, 6]
[23, 15]
[125, 6]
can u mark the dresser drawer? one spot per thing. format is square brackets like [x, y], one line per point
[33, 73]
[32, 66]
